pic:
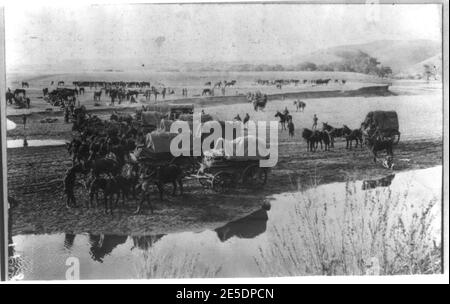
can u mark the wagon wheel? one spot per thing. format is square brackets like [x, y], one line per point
[189, 165]
[204, 179]
[223, 181]
[254, 176]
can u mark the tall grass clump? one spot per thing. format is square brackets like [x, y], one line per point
[375, 232]
[162, 264]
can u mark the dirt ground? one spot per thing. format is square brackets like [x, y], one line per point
[35, 180]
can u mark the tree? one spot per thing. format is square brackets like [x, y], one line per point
[307, 66]
[384, 71]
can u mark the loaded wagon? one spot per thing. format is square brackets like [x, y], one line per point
[222, 171]
[381, 132]
[156, 152]
[381, 125]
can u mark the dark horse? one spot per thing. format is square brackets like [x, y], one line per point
[260, 103]
[300, 105]
[97, 95]
[207, 92]
[312, 139]
[353, 135]
[284, 118]
[159, 176]
[376, 144]
[333, 132]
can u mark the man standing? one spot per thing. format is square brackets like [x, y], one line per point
[291, 128]
[315, 119]
[69, 185]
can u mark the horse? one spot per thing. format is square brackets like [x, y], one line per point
[131, 93]
[109, 187]
[229, 84]
[323, 81]
[283, 119]
[324, 137]
[376, 145]
[99, 166]
[69, 183]
[333, 132]
[260, 104]
[312, 138]
[159, 176]
[218, 85]
[207, 92]
[60, 83]
[79, 150]
[25, 84]
[353, 135]
[10, 98]
[300, 105]
[97, 95]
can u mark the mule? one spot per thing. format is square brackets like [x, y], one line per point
[312, 138]
[300, 105]
[97, 95]
[353, 135]
[376, 145]
[333, 132]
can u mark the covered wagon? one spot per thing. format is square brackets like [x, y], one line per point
[381, 125]
[381, 132]
[180, 109]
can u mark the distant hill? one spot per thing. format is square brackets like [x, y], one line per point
[418, 68]
[401, 56]
[404, 57]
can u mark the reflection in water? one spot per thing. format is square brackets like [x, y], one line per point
[145, 242]
[248, 227]
[69, 238]
[302, 234]
[382, 182]
[102, 245]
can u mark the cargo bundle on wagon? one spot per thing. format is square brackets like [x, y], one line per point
[224, 168]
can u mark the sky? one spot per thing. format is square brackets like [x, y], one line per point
[38, 35]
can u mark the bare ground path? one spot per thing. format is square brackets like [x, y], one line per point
[35, 180]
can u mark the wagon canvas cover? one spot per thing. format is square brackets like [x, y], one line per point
[383, 120]
[162, 108]
[238, 149]
[159, 141]
[151, 118]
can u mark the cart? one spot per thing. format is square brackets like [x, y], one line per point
[221, 174]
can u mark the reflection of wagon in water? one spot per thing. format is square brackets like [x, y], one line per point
[221, 172]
